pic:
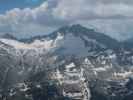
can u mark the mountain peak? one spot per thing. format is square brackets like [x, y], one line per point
[75, 28]
[78, 26]
[80, 31]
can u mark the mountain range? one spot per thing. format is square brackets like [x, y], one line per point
[27, 65]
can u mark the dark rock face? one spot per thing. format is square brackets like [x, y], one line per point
[8, 36]
[112, 90]
[33, 92]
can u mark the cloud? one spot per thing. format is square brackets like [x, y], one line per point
[55, 13]
[22, 20]
[88, 10]
[119, 29]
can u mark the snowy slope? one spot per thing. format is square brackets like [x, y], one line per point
[36, 44]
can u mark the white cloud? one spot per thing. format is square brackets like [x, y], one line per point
[55, 13]
[22, 20]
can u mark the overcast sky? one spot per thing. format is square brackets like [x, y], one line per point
[33, 17]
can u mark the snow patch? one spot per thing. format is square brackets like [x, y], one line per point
[124, 74]
[46, 44]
